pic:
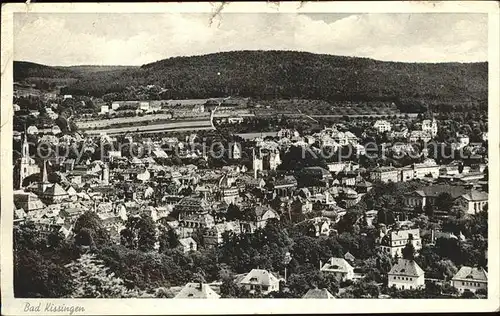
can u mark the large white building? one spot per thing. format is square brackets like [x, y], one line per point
[406, 275]
[394, 241]
[430, 126]
[27, 165]
[382, 126]
[473, 201]
[260, 280]
[340, 268]
[470, 279]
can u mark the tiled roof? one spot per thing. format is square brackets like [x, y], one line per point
[318, 293]
[55, 190]
[476, 196]
[470, 273]
[260, 277]
[197, 290]
[435, 190]
[337, 264]
[407, 268]
[186, 242]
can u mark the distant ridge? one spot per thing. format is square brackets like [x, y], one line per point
[279, 74]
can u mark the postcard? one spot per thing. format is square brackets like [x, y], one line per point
[241, 158]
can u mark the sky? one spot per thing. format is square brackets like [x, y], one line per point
[63, 39]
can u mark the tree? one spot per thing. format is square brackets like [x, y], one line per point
[139, 233]
[39, 270]
[91, 280]
[168, 239]
[446, 268]
[408, 251]
[444, 202]
[429, 210]
[233, 212]
[363, 289]
[300, 283]
[89, 230]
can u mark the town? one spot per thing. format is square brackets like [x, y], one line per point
[236, 197]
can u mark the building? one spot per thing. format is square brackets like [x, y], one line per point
[382, 126]
[339, 267]
[214, 235]
[470, 279]
[263, 214]
[284, 186]
[317, 173]
[416, 136]
[318, 293]
[430, 126]
[27, 201]
[261, 280]
[144, 106]
[394, 241]
[419, 198]
[384, 174]
[197, 290]
[27, 165]
[257, 163]
[189, 205]
[187, 244]
[406, 275]
[274, 160]
[236, 151]
[428, 169]
[104, 109]
[473, 201]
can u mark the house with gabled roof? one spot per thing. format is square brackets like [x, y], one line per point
[395, 240]
[259, 279]
[197, 290]
[339, 267]
[406, 275]
[470, 279]
[263, 214]
[473, 201]
[318, 293]
[187, 244]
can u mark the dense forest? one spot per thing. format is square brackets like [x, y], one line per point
[280, 74]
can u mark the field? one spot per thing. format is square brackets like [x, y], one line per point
[154, 128]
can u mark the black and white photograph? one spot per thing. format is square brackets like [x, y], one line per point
[212, 153]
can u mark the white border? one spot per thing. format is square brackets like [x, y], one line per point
[12, 306]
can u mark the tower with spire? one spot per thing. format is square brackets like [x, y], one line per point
[27, 165]
[44, 182]
[257, 163]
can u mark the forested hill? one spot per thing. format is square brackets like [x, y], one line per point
[288, 74]
[24, 70]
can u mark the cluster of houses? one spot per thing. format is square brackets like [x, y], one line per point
[237, 198]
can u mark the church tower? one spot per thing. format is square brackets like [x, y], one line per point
[236, 152]
[274, 160]
[24, 165]
[44, 183]
[257, 163]
[105, 174]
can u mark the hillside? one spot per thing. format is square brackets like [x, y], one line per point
[96, 68]
[24, 70]
[287, 74]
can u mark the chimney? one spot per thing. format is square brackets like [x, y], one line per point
[331, 260]
[320, 264]
[200, 286]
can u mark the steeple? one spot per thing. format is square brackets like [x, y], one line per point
[25, 151]
[45, 178]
